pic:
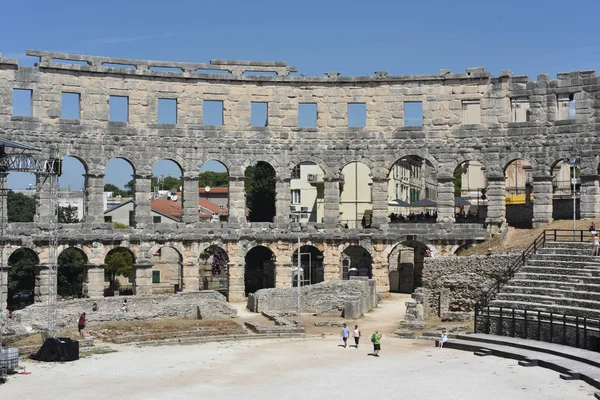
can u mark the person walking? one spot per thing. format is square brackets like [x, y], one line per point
[345, 334]
[596, 241]
[376, 340]
[443, 339]
[124, 306]
[356, 336]
[81, 324]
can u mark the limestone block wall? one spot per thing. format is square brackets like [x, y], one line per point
[466, 278]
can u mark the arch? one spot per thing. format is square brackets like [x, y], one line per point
[71, 273]
[260, 188]
[71, 195]
[214, 271]
[470, 200]
[562, 174]
[119, 157]
[22, 283]
[259, 269]
[356, 202]
[272, 161]
[312, 159]
[78, 158]
[510, 158]
[214, 203]
[518, 188]
[174, 158]
[356, 261]
[405, 262]
[311, 266]
[119, 269]
[422, 154]
[307, 192]
[167, 270]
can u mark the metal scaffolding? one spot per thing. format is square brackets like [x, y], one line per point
[17, 157]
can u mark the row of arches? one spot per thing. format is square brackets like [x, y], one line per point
[412, 191]
[260, 264]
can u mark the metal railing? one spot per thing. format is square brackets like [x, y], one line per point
[568, 330]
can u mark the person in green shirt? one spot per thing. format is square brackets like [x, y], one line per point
[376, 340]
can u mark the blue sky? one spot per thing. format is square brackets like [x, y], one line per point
[352, 37]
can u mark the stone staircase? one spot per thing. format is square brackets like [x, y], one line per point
[553, 297]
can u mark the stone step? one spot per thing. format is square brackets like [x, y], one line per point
[563, 251]
[564, 264]
[566, 292]
[580, 257]
[557, 278]
[549, 300]
[586, 244]
[560, 284]
[557, 309]
[544, 269]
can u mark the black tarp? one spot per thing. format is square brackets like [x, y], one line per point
[57, 349]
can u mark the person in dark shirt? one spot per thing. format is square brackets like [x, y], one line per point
[81, 324]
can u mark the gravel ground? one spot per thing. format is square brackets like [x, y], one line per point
[312, 368]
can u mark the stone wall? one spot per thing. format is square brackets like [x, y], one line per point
[349, 299]
[199, 305]
[466, 278]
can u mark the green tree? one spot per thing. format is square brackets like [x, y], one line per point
[70, 273]
[130, 186]
[260, 192]
[213, 179]
[119, 262]
[21, 275]
[20, 208]
[67, 215]
[458, 171]
[109, 187]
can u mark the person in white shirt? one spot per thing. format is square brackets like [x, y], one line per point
[356, 335]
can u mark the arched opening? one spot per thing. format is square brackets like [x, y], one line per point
[260, 192]
[167, 271]
[22, 274]
[119, 274]
[311, 266]
[519, 199]
[406, 266]
[412, 191]
[259, 269]
[356, 261]
[356, 204]
[213, 192]
[21, 197]
[307, 192]
[213, 269]
[71, 273]
[119, 193]
[564, 189]
[71, 193]
[470, 192]
[166, 192]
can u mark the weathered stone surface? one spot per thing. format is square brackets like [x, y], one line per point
[326, 298]
[451, 316]
[199, 305]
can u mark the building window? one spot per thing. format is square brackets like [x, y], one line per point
[212, 113]
[155, 276]
[520, 109]
[108, 218]
[259, 113]
[413, 113]
[70, 106]
[471, 112]
[296, 196]
[167, 111]
[156, 219]
[566, 106]
[307, 115]
[118, 108]
[357, 115]
[296, 172]
[22, 103]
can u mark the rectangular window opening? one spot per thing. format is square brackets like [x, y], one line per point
[70, 105]
[413, 113]
[155, 276]
[212, 71]
[22, 103]
[566, 106]
[118, 66]
[520, 110]
[357, 115]
[212, 113]
[165, 69]
[71, 62]
[118, 108]
[259, 113]
[156, 219]
[259, 73]
[167, 111]
[108, 218]
[471, 112]
[307, 115]
[296, 196]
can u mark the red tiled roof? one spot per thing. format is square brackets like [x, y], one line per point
[167, 207]
[214, 190]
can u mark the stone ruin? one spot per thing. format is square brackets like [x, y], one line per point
[349, 299]
[200, 305]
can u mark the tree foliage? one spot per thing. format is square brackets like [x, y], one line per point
[67, 215]
[219, 259]
[20, 208]
[168, 183]
[119, 262]
[458, 171]
[21, 274]
[260, 192]
[109, 187]
[70, 273]
[213, 179]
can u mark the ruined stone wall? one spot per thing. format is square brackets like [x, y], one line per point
[202, 305]
[467, 277]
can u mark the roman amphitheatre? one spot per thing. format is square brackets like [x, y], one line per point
[397, 186]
